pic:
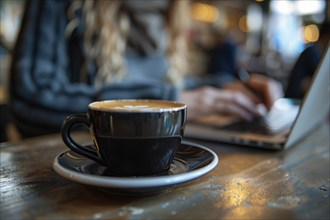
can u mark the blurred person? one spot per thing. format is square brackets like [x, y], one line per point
[223, 58]
[219, 50]
[71, 53]
[306, 64]
[223, 53]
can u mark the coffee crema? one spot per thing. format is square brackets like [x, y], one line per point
[136, 105]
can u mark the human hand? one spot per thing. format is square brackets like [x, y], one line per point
[260, 89]
[270, 89]
[209, 100]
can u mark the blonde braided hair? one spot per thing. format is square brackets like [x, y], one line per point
[105, 36]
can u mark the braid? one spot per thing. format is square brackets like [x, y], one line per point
[106, 30]
[178, 23]
[108, 45]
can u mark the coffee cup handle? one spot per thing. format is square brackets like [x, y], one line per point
[67, 125]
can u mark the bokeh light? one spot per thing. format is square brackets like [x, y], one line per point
[204, 12]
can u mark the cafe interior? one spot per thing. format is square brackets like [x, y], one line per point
[269, 36]
[241, 183]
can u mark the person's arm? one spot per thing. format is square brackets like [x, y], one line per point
[40, 60]
[41, 94]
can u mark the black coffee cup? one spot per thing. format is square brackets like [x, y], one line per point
[132, 137]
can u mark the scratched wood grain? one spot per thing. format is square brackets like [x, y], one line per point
[248, 183]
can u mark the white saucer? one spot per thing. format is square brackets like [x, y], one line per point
[191, 161]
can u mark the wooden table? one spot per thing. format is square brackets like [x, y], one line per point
[248, 183]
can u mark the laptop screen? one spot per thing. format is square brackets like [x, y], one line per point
[315, 105]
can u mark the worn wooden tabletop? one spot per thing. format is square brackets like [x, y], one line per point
[246, 184]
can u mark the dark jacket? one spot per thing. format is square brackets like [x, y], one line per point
[45, 86]
[304, 68]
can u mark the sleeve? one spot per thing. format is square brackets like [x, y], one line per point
[41, 93]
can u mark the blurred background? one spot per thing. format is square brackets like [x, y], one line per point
[269, 35]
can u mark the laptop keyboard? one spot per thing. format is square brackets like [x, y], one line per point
[275, 121]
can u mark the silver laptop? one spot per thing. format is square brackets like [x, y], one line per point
[284, 125]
